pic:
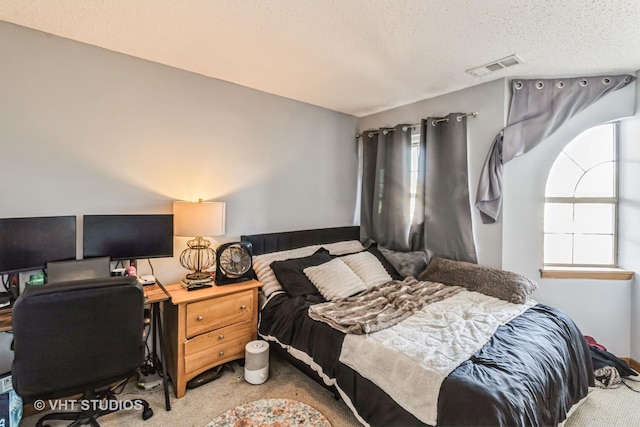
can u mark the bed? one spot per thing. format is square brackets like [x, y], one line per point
[532, 369]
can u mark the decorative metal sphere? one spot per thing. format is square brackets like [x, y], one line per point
[198, 257]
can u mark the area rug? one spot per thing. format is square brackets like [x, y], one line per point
[271, 413]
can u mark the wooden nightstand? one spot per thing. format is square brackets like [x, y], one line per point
[207, 327]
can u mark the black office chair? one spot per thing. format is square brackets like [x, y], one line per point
[76, 337]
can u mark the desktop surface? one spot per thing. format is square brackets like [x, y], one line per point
[155, 293]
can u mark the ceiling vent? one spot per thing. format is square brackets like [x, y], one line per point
[485, 69]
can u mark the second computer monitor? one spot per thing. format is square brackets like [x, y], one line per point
[128, 237]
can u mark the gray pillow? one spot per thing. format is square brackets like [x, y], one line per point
[502, 284]
[407, 263]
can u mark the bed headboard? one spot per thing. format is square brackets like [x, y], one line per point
[272, 242]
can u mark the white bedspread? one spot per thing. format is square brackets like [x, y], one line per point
[410, 360]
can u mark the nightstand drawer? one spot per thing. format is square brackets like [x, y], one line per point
[217, 346]
[207, 315]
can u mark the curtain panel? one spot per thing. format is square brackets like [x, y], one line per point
[441, 220]
[386, 185]
[448, 230]
[539, 107]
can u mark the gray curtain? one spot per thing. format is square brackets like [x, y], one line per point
[442, 219]
[448, 231]
[538, 108]
[386, 179]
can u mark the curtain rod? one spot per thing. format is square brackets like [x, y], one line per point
[433, 123]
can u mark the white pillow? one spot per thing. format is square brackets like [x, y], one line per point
[344, 247]
[262, 263]
[335, 280]
[368, 268]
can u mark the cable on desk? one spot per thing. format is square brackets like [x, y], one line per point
[151, 266]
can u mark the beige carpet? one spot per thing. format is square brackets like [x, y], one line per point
[613, 407]
[201, 405]
[609, 407]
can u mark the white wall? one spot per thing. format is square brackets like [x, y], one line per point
[599, 307]
[85, 130]
[489, 101]
[629, 222]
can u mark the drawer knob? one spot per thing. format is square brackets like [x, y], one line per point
[243, 307]
[199, 318]
[221, 336]
[221, 353]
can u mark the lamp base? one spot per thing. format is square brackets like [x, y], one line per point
[200, 276]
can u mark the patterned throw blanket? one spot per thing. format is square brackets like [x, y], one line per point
[382, 306]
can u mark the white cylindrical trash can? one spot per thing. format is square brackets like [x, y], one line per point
[256, 362]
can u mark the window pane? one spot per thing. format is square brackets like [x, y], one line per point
[594, 218]
[577, 232]
[415, 156]
[415, 150]
[593, 249]
[563, 177]
[598, 181]
[557, 248]
[593, 146]
[558, 217]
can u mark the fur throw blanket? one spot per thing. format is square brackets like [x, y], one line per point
[382, 306]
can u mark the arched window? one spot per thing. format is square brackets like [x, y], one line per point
[581, 201]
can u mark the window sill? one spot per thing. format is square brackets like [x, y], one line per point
[600, 273]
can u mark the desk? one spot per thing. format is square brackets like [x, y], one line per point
[208, 327]
[5, 319]
[154, 295]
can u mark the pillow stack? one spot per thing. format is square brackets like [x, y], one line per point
[348, 275]
[290, 273]
[328, 272]
[262, 263]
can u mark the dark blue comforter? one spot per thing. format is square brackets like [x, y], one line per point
[530, 373]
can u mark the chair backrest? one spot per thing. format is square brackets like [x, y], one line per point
[80, 269]
[71, 337]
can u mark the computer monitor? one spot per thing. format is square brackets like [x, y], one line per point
[128, 237]
[29, 243]
[81, 269]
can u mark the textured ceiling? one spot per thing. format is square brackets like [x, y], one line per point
[354, 56]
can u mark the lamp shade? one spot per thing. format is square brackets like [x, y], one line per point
[199, 219]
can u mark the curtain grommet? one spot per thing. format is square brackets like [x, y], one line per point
[370, 134]
[518, 85]
[606, 80]
[539, 85]
[560, 85]
[584, 82]
[628, 79]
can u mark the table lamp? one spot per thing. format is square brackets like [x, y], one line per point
[198, 220]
